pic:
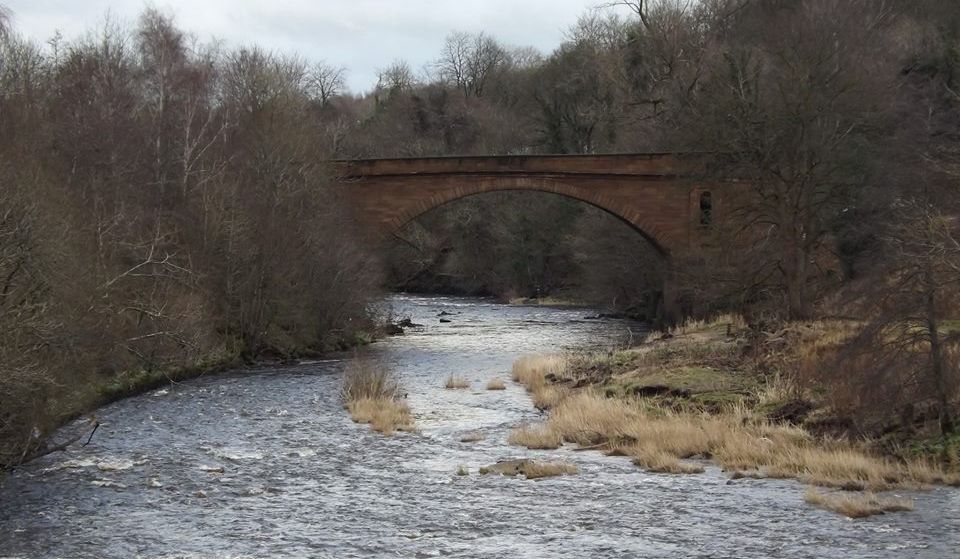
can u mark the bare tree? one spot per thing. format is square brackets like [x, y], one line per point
[525, 58]
[907, 344]
[162, 50]
[393, 80]
[453, 65]
[927, 244]
[577, 104]
[468, 62]
[794, 111]
[639, 7]
[608, 32]
[327, 81]
[5, 16]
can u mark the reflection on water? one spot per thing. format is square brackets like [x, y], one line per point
[265, 463]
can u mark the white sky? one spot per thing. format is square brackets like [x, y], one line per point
[363, 35]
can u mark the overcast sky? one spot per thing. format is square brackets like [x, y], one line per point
[362, 35]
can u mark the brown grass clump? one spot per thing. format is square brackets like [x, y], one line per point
[455, 382]
[496, 384]
[842, 468]
[857, 506]
[932, 473]
[548, 396]
[658, 439]
[656, 460]
[538, 470]
[365, 379]
[539, 437]
[372, 395]
[531, 371]
[587, 420]
[384, 416]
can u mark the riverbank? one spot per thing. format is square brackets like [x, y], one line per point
[711, 391]
[101, 390]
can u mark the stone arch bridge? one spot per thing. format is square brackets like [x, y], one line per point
[663, 196]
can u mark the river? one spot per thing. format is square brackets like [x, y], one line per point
[299, 479]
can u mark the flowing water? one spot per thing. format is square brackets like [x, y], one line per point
[266, 463]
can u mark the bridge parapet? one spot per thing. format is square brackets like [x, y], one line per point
[652, 165]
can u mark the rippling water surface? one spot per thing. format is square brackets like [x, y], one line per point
[266, 463]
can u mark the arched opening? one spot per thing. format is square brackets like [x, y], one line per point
[706, 209]
[519, 245]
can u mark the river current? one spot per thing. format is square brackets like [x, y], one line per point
[266, 463]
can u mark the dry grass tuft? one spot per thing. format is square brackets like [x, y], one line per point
[384, 416]
[496, 384]
[372, 395]
[455, 382]
[776, 391]
[538, 437]
[727, 321]
[365, 379]
[473, 437]
[857, 506]
[538, 470]
[659, 461]
[587, 420]
[548, 396]
[531, 371]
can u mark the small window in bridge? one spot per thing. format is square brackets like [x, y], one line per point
[706, 209]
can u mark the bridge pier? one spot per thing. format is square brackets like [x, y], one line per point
[669, 312]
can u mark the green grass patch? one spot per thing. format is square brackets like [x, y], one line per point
[703, 387]
[689, 353]
[692, 379]
[719, 399]
[132, 382]
[939, 449]
[611, 360]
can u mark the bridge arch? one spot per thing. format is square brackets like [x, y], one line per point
[632, 217]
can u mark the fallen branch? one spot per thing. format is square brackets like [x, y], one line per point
[96, 425]
[61, 446]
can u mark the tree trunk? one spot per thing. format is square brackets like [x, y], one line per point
[936, 354]
[795, 280]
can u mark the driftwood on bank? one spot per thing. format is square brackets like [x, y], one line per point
[62, 446]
